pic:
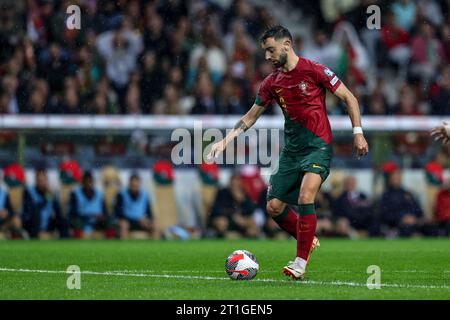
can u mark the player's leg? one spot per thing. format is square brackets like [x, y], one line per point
[283, 190]
[307, 223]
[124, 228]
[283, 215]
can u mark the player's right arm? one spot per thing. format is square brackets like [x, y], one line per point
[263, 99]
[241, 126]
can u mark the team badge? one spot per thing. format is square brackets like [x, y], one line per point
[303, 87]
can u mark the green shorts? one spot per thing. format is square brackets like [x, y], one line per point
[285, 183]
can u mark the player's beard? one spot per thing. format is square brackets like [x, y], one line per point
[281, 61]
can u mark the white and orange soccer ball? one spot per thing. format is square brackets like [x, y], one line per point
[241, 265]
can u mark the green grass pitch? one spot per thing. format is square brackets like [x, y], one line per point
[410, 269]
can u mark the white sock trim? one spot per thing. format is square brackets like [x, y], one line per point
[301, 263]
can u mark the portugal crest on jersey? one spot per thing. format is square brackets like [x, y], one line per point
[303, 87]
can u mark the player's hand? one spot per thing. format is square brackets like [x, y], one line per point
[440, 133]
[216, 149]
[360, 144]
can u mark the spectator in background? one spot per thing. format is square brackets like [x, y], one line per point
[41, 210]
[152, 81]
[240, 49]
[71, 101]
[442, 216]
[395, 41]
[440, 94]
[98, 105]
[195, 73]
[88, 70]
[87, 208]
[154, 36]
[354, 211]
[430, 10]
[427, 52]
[9, 85]
[399, 210]
[232, 211]
[204, 96]
[177, 53]
[9, 221]
[405, 13]
[4, 102]
[228, 101]
[133, 99]
[377, 105]
[103, 89]
[53, 66]
[120, 49]
[175, 77]
[215, 58]
[37, 103]
[133, 210]
[324, 205]
[445, 38]
[170, 103]
[323, 50]
[408, 103]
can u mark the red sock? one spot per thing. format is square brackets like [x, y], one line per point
[306, 230]
[288, 221]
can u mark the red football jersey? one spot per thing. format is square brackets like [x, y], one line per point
[301, 94]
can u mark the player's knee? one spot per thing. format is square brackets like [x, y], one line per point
[274, 209]
[306, 196]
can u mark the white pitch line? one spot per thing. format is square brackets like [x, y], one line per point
[265, 271]
[304, 282]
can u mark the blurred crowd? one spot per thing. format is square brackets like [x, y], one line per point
[79, 208]
[344, 211]
[203, 57]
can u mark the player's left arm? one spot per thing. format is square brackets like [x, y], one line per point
[359, 142]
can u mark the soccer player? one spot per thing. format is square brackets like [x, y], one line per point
[299, 86]
[41, 210]
[441, 133]
[88, 209]
[133, 209]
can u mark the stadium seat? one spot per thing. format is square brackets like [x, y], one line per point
[16, 197]
[165, 211]
[111, 185]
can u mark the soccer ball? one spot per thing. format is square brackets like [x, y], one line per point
[241, 265]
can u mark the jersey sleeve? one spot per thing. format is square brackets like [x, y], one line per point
[326, 78]
[264, 96]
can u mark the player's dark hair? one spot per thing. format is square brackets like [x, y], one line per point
[39, 171]
[87, 175]
[135, 176]
[277, 32]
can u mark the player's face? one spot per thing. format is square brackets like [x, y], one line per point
[276, 51]
[135, 185]
[41, 181]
